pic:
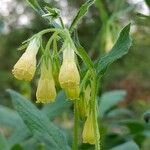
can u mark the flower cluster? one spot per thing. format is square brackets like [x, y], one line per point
[54, 74]
[68, 74]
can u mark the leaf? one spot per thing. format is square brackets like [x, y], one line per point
[110, 99]
[119, 112]
[19, 135]
[39, 7]
[134, 126]
[35, 5]
[3, 143]
[147, 116]
[120, 48]
[130, 145]
[54, 109]
[38, 123]
[82, 11]
[148, 3]
[9, 117]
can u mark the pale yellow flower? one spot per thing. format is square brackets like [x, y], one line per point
[25, 68]
[69, 77]
[109, 43]
[88, 131]
[73, 93]
[46, 91]
[83, 103]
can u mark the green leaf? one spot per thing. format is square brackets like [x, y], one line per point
[134, 126]
[110, 99]
[3, 143]
[119, 112]
[130, 145]
[148, 3]
[120, 48]
[54, 109]
[147, 116]
[35, 5]
[19, 135]
[9, 117]
[39, 6]
[38, 123]
[82, 11]
[17, 147]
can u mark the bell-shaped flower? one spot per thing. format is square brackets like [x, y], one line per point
[25, 68]
[88, 130]
[83, 103]
[46, 91]
[69, 77]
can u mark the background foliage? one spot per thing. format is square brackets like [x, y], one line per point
[123, 98]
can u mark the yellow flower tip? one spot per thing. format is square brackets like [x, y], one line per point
[69, 77]
[88, 131]
[73, 93]
[25, 68]
[46, 91]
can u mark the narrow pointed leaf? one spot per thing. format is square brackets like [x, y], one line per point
[38, 123]
[82, 11]
[120, 48]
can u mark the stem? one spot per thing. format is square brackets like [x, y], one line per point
[61, 21]
[94, 110]
[76, 125]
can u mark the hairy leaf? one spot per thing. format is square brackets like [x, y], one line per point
[38, 123]
[54, 109]
[39, 7]
[82, 11]
[110, 99]
[3, 143]
[9, 117]
[120, 48]
[130, 145]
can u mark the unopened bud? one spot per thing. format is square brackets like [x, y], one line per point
[46, 91]
[25, 68]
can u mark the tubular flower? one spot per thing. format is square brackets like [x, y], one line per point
[88, 131]
[46, 91]
[84, 102]
[69, 77]
[25, 68]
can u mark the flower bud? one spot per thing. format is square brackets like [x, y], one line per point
[109, 43]
[83, 103]
[69, 77]
[25, 68]
[46, 91]
[88, 131]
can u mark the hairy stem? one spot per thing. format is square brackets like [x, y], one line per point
[76, 125]
[94, 110]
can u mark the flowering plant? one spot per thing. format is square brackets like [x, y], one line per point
[76, 74]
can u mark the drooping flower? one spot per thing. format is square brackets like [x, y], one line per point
[25, 68]
[88, 130]
[69, 77]
[46, 91]
[83, 103]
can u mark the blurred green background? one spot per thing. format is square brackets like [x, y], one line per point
[18, 22]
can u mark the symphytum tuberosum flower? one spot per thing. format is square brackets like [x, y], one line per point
[25, 68]
[46, 91]
[69, 77]
[83, 103]
[88, 130]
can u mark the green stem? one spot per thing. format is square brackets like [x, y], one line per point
[76, 125]
[94, 110]
[61, 21]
